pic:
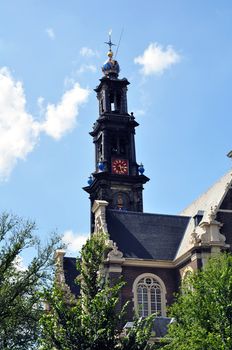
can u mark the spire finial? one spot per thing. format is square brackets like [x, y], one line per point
[111, 67]
[110, 53]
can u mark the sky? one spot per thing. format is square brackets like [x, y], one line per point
[177, 56]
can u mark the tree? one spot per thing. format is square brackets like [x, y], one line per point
[92, 321]
[20, 304]
[203, 311]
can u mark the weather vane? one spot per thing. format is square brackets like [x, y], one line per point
[110, 42]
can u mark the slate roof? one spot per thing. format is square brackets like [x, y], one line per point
[70, 274]
[161, 326]
[146, 236]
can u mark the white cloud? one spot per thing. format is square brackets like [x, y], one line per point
[86, 67]
[74, 241]
[40, 104]
[61, 118]
[50, 32]
[156, 59]
[88, 52]
[19, 131]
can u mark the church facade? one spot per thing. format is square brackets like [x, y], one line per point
[153, 253]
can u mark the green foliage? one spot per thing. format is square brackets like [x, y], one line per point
[20, 305]
[62, 323]
[91, 266]
[93, 321]
[203, 312]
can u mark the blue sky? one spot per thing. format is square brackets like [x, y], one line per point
[177, 56]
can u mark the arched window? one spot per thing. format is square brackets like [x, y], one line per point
[186, 275]
[149, 295]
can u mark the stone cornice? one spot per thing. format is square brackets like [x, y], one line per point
[167, 263]
[159, 263]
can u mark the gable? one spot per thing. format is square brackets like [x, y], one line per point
[219, 199]
[211, 198]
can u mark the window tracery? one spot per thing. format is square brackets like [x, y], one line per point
[149, 295]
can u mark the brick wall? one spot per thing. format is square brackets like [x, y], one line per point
[170, 277]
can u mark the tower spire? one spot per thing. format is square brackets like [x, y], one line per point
[117, 178]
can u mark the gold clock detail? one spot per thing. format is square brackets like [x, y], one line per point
[120, 166]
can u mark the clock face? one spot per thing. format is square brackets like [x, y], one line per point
[120, 166]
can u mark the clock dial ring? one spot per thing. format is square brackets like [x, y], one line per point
[120, 166]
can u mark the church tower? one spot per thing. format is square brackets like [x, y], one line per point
[117, 178]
